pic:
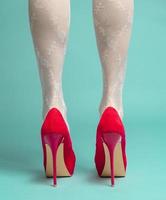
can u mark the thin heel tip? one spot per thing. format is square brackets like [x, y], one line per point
[112, 183]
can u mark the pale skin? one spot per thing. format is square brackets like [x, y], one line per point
[50, 23]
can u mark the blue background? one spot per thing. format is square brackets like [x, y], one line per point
[21, 170]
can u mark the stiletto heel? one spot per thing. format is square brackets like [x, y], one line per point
[110, 156]
[53, 140]
[58, 155]
[111, 140]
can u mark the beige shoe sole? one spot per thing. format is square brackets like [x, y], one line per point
[61, 169]
[119, 169]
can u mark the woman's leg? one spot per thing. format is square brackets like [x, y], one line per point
[49, 22]
[113, 22]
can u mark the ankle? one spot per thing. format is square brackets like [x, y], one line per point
[118, 107]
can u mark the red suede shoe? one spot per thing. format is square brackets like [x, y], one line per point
[58, 155]
[110, 156]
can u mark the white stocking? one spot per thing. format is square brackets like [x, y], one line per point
[113, 22]
[49, 22]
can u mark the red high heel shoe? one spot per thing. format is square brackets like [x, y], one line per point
[110, 156]
[58, 155]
